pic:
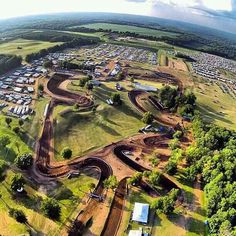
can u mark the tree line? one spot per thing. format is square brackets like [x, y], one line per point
[75, 42]
[219, 47]
[9, 62]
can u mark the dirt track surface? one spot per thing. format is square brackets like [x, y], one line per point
[108, 160]
[53, 88]
[165, 118]
[115, 215]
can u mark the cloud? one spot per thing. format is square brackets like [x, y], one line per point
[136, 1]
[211, 13]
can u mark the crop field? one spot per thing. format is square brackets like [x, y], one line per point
[22, 47]
[132, 29]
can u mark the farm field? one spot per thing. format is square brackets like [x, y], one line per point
[22, 47]
[133, 29]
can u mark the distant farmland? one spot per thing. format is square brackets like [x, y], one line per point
[132, 29]
[22, 47]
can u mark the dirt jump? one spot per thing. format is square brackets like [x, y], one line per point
[104, 160]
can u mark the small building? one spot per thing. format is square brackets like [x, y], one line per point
[135, 233]
[140, 212]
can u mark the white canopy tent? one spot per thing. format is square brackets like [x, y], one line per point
[140, 213]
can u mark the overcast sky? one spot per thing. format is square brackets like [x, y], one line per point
[216, 13]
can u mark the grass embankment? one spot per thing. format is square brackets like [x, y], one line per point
[22, 47]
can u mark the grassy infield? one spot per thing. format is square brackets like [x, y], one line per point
[109, 124]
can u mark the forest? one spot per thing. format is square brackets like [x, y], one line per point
[212, 158]
[9, 62]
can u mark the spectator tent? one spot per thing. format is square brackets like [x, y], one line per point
[140, 213]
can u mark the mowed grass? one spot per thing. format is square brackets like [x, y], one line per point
[22, 47]
[69, 194]
[34, 125]
[129, 28]
[87, 131]
[216, 106]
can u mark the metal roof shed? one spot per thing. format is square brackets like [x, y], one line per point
[140, 213]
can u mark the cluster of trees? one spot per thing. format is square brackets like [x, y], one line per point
[166, 204]
[16, 129]
[84, 81]
[17, 182]
[147, 118]
[3, 167]
[185, 57]
[171, 99]
[66, 153]
[75, 42]
[115, 97]
[48, 64]
[18, 215]
[9, 62]
[152, 177]
[213, 157]
[24, 161]
[73, 66]
[51, 208]
[111, 182]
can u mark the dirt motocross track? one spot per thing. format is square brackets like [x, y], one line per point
[105, 160]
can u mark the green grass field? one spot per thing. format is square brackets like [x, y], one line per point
[132, 29]
[69, 194]
[35, 122]
[216, 106]
[27, 46]
[18, 143]
[87, 131]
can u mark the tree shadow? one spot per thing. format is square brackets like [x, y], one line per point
[61, 192]
[30, 202]
[33, 231]
[8, 154]
[27, 139]
[108, 129]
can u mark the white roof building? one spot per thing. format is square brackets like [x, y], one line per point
[140, 212]
[135, 233]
